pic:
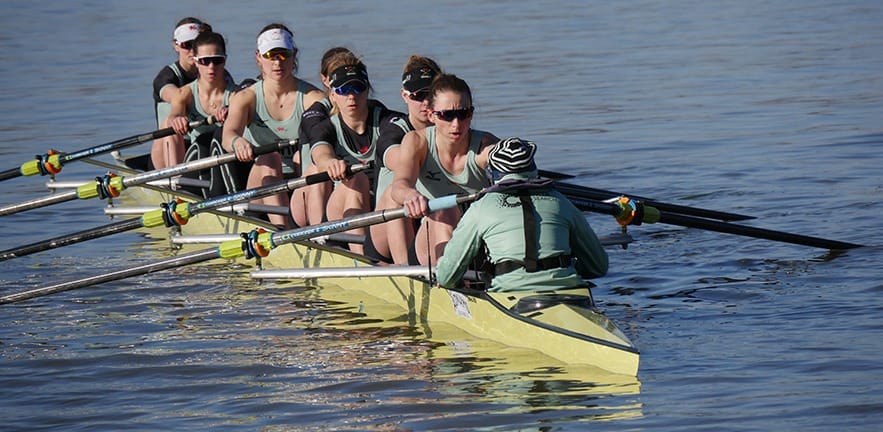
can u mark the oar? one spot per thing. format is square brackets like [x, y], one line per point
[52, 162]
[634, 212]
[576, 191]
[171, 214]
[112, 185]
[254, 244]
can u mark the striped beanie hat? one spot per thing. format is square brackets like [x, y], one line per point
[512, 155]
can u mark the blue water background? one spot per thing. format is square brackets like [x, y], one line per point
[767, 108]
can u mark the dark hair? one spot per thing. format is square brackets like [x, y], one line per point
[276, 26]
[209, 38]
[448, 82]
[204, 26]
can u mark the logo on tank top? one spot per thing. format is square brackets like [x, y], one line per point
[433, 175]
[281, 129]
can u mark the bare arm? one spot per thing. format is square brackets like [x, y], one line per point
[178, 116]
[326, 161]
[239, 115]
[487, 143]
[169, 92]
[403, 189]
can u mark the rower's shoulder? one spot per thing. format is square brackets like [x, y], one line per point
[244, 96]
[312, 97]
[484, 148]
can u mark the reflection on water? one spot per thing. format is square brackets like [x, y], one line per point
[768, 108]
[473, 370]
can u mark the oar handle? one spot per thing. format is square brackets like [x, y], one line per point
[275, 146]
[260, 243]
[185, 212]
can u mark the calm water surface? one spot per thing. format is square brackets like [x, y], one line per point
[771, 109]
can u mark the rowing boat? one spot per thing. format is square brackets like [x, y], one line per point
[564, 325]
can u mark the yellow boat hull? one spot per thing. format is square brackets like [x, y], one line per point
[569, 333]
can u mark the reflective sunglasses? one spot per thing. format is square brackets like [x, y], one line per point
[212, 59]
[451, 114]
[417, 96]
[354, 88]
[187, 45]
[278, 54]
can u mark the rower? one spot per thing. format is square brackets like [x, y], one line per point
[534, 238]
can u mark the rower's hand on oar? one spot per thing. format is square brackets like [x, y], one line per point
[417, 205]
[180, 124]
[337, 170]
[243, 149]
[221, 115]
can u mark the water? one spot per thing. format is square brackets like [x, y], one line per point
[765, 108]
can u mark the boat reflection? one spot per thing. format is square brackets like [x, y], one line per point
[463, 366]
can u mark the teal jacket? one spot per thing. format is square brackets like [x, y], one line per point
[496, 220]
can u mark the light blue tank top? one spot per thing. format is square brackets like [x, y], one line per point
[434, 181]
[264, 129]
[195, 111]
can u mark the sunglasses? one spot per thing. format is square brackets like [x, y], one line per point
[355, 88]
[278, 54]
[187, 45]
[417, 96]
[451, 114]
[212, 59]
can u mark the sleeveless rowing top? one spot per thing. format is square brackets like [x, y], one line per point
[264, 129]
[195, 112]
[434, 181]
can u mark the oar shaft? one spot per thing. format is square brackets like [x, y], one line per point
[364, 220]
[201, 164]
[59, 160]
[192, 208]
[263, 191]
[38, 202]
[90, 190]
[577, 191]
[722, 227]
[191, 258]
[69, 239]
[761, 233]
[10, 173]
[219, 252]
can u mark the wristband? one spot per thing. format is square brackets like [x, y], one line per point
[233, 143]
